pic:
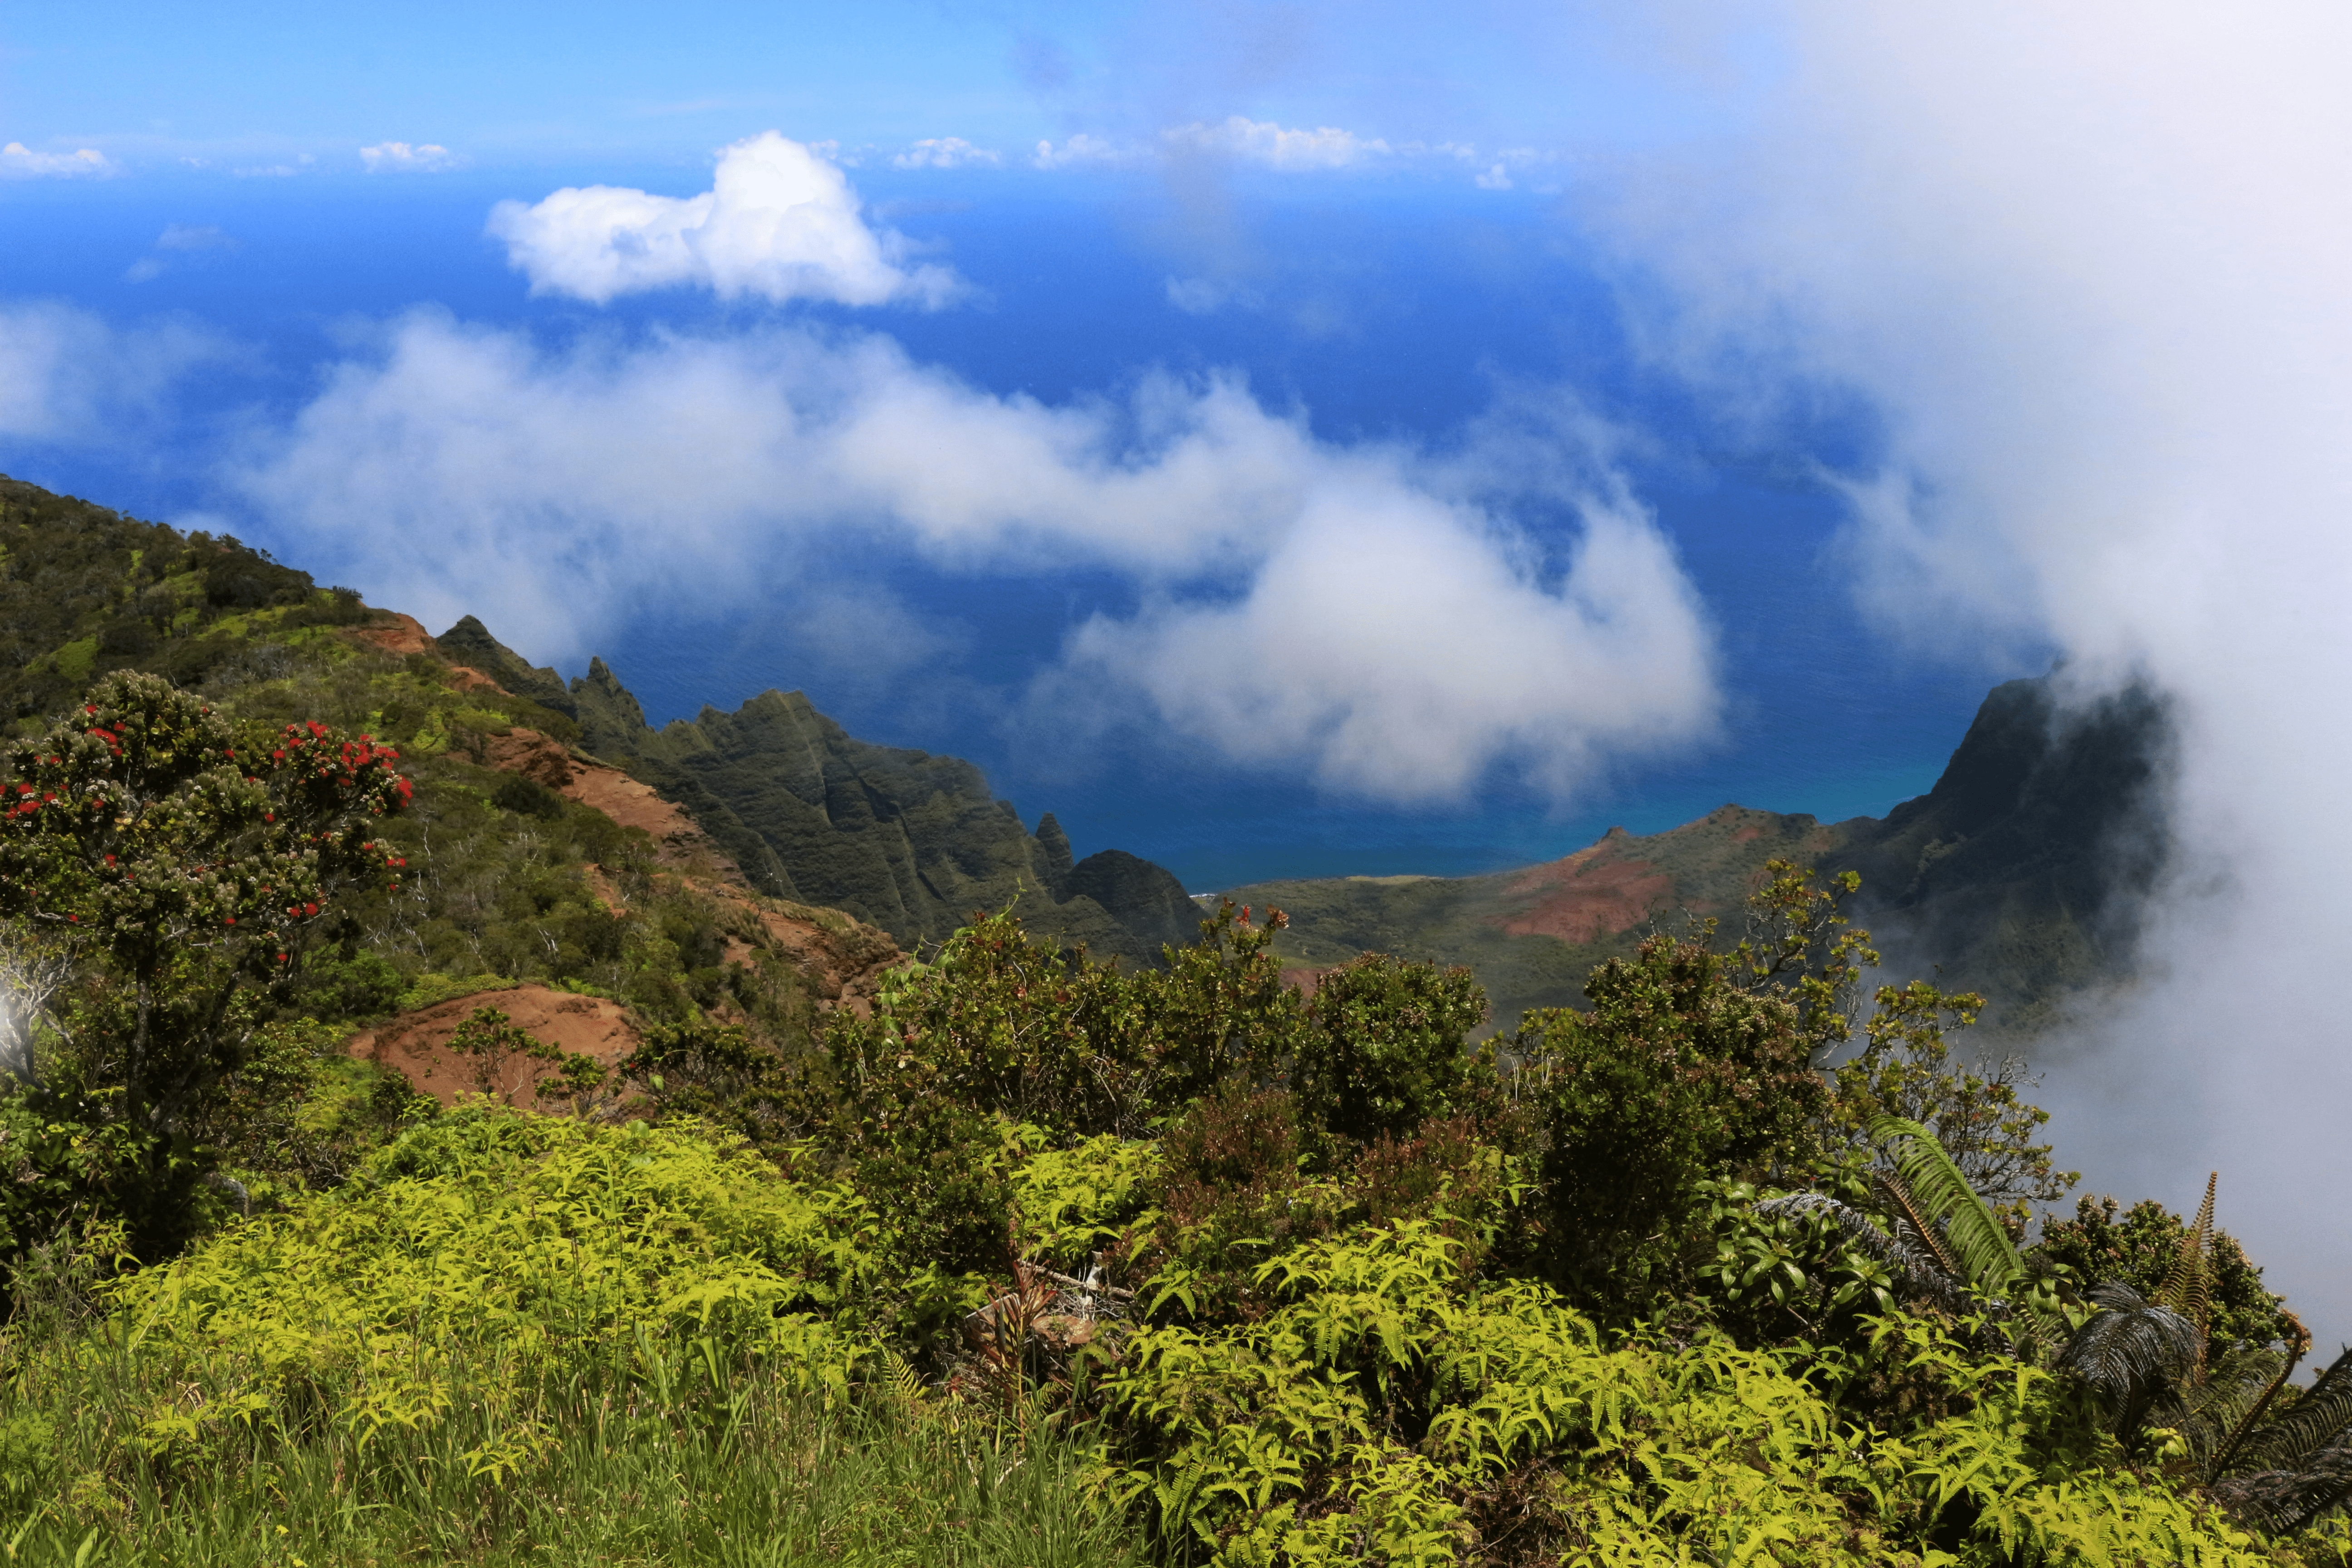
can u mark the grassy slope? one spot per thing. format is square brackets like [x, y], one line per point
[1532, 934]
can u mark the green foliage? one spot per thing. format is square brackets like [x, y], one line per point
[719, 1072]
[1396, 1409]
[357, 984]
[189, 860]
[1677, 1073]
[1288, 1273]
[516, 1241]
[1904, 1069]
[2139, 1246]
[516, 1334]
[1963, 1225]
[494, 1044]
[1385, 1049]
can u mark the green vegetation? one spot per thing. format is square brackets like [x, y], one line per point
[1022, 1256]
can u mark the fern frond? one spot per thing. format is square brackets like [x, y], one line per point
[2252, 1421]
[2229, 1400]
[1973, 1233]
[904, 1380]
[1899, 1197]
[2284, 1501]
[2133, 1351]
[2312, 1422]
[2188, 1284]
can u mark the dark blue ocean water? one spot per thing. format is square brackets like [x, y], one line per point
[1394, 312]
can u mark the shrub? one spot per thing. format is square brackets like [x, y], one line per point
[1676, 1075]
[1383, 1051]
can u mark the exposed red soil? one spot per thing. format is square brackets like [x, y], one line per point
[403, 636]
[542, 759]
[415, 1045]
[1305, 979]
[1594, 893]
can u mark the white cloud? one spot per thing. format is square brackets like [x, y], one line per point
[463, 470]
[943, 152]
[400, 158]
[2089, 263]
[1392, 639]
[1497, 178]
[1275, 146]
[177, 240]
[778, 222]
[1083, 151]
[20, 162]
[302, 164]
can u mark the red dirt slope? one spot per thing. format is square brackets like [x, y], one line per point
[416, 1044]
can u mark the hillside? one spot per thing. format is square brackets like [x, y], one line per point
[532, 862]
[907, 841]
[2016, 875]
[2019, 875]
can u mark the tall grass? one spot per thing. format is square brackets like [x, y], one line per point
[690, 1455]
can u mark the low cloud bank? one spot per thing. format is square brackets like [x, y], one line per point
[20, 162]
[2089, 264]
[405, 158]
[779, 223]
[1340, 608]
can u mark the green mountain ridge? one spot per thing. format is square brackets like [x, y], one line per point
[2021, 875]
[908, 841]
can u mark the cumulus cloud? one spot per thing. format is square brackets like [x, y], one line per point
[20, 162]
[571, 488]
[1389, 638]
[1263, 141]
[2089, 264]
[943, 152]
[1084, 151]
[779, 222]
[400, 158]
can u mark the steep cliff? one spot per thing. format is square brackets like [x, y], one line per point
[910, 842]
[2023, 874]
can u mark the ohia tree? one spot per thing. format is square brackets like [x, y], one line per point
[188, 861]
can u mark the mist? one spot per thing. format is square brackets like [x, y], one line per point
[2088, 266]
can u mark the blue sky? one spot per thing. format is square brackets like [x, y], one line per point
[559, 86]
